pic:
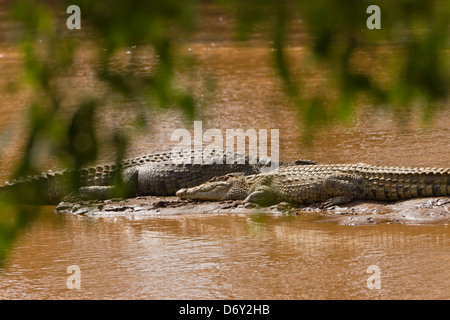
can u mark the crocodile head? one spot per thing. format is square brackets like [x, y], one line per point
[229, 188]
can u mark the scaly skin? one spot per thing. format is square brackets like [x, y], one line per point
[326, 184]
[153, 174]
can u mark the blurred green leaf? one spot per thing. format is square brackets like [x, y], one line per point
[414, 34]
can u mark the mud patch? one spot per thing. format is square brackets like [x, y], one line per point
[414, 211]
[152, 206]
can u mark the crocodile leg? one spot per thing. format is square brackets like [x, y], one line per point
[341, 188]
[263, 196]
[121, 189]
[335, 201]
[91, 193]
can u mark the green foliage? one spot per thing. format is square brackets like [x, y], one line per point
[415, 32]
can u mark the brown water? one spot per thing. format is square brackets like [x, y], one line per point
[225, 257]
[228, 256]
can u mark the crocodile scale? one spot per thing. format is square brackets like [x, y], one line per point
[154, 174]
[329, 184]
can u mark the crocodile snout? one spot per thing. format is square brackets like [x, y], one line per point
[182, 193]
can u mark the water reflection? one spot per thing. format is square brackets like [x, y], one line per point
[225, 256]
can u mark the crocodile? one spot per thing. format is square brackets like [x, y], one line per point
[326, 184]
[159, 174]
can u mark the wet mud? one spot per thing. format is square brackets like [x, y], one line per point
[413, 211]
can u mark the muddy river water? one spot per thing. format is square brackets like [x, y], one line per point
[231, 256]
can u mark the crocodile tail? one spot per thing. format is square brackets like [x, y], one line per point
[431, 183]
[406, 183]
[50, 187]
[42, 189]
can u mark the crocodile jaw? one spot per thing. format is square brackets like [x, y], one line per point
[208, 191]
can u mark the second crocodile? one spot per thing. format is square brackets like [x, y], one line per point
[326, 184]
[159, 174]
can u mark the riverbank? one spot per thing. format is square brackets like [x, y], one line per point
[413, 211]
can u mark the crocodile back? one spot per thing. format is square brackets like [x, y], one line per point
[377, 183]
[163, 171]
